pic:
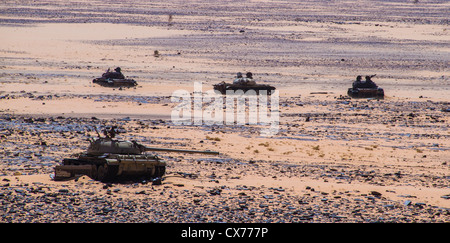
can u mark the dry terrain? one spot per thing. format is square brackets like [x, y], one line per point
[334, 159]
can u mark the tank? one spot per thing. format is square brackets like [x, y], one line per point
[365, 89]
[114, 79]
[223, 87]
[107, 159]
[243, 83]
[114, 82]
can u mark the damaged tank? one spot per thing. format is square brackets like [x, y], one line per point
[107, 159]
[114, 82]
[365, 89]
[114, 79]
[243, 83]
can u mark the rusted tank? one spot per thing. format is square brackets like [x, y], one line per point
[108, 158]
[365, 89]
[114, 79]
[223, 87]
[245, 84]
[115, 82]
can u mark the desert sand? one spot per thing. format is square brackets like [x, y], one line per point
[334, 159]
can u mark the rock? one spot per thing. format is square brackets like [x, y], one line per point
[419, 205]
[141, 192]
[215, 191]
[376, 194]
[156, 181]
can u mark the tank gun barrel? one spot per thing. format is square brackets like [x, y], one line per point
[145, 148]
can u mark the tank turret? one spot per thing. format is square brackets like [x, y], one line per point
[112, 146]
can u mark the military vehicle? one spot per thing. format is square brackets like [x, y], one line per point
[365, 89]
[115, 82]
[244, 84]
[114, 79]
[107, 159]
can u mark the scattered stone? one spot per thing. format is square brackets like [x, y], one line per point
[215, 191]
[376, 194]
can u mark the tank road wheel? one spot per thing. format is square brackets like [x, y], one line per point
[112, 172]
[93, 174]
[106, 172]
[102, 170]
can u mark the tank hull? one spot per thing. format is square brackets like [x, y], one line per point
[112, 82]
[223, 87]
[366, 93]
[110, 167]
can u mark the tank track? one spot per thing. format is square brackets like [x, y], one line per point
[101, 171]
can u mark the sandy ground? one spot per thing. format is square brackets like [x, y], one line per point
[334, 159]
